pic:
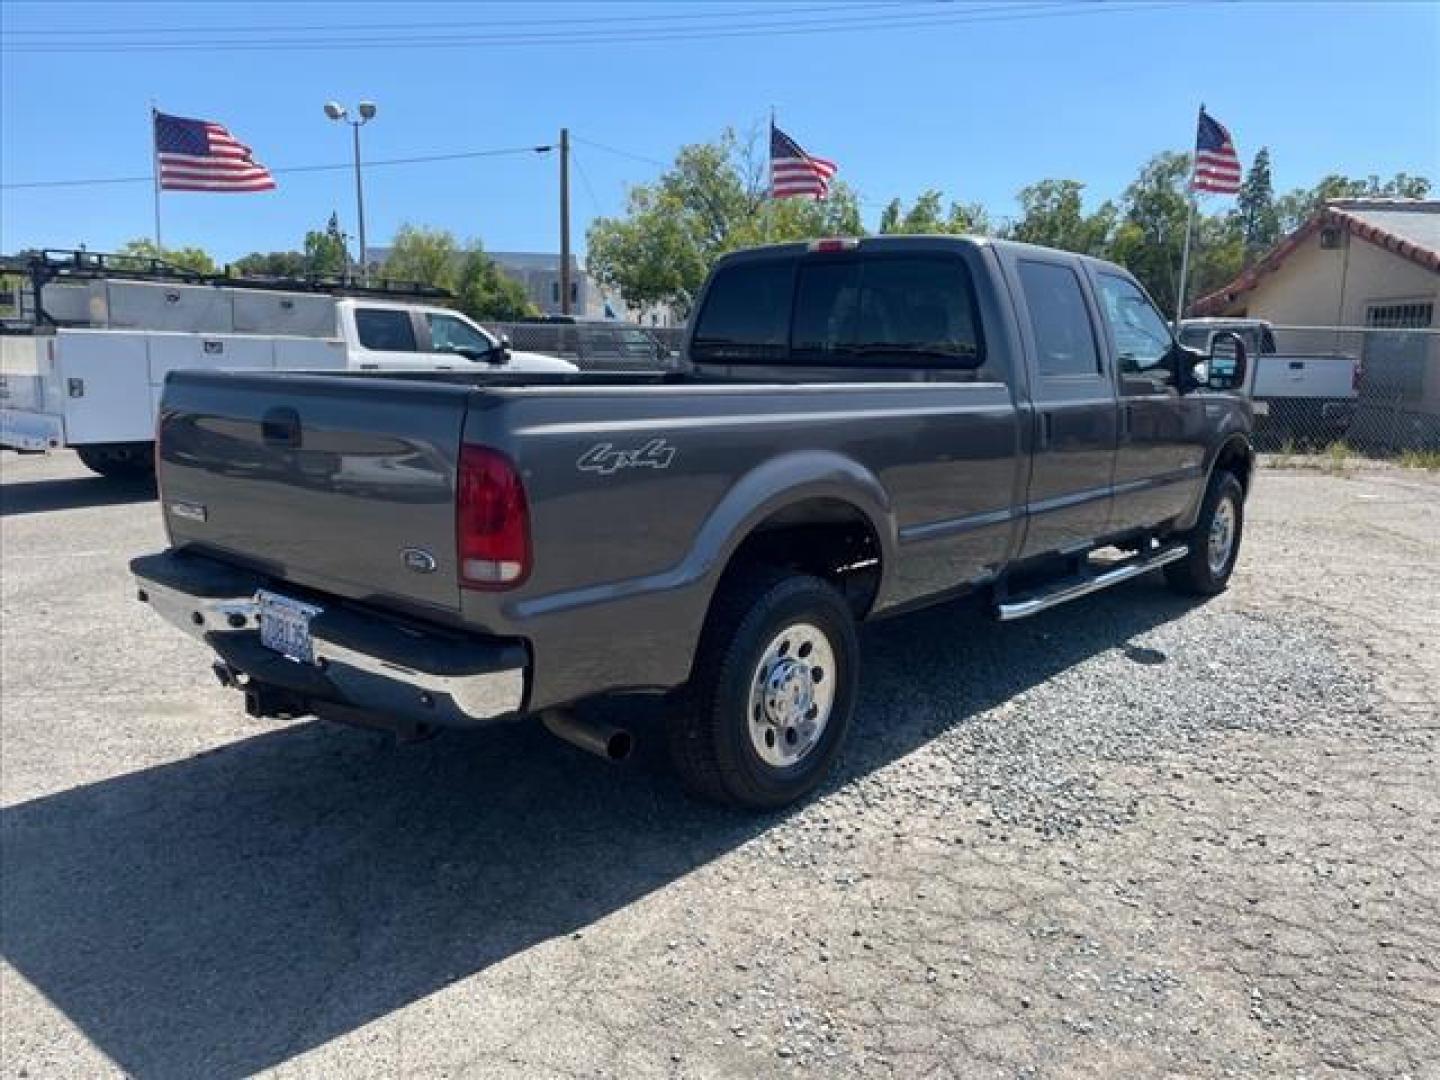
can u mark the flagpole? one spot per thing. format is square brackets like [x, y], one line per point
[1189, 231]
[1185, 262]
[155, 174]
[769, 174]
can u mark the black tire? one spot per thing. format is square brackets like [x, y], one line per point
[119, 461]
[710, 735]
[1195, 575]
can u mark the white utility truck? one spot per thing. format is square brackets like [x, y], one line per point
[1297, 396]
[88, 340]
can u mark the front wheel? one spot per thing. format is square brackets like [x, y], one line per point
[119, 461]
[1214, 541]
[773, 690]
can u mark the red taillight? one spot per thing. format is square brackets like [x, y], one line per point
[492, 521]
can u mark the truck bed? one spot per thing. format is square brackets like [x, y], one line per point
[346, 484]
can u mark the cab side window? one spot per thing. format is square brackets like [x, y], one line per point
[385, 329]
[449, 334]
[1142, 340]
[1064, 339]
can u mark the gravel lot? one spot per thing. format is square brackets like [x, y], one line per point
[1133, 836]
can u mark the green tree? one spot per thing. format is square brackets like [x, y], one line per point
[325, 252]
[1151, 232]
[928, 215]
[712, 200]
[428, 256]
[1217, 254]
[484, 291]
[1255, 206]
[190, 258]
[1151, 235]
[1053, 214]
[1298, 206]
[284, 264]
[434, 257]
[324, 255]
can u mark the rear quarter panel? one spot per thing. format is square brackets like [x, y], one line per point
[639, 497]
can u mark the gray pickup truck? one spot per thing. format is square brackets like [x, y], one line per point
[861, 427]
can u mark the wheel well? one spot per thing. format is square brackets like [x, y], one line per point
[828, 538]
[1235, 457]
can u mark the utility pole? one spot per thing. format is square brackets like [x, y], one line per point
[564, 221]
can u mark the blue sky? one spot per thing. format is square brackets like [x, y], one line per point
[976, 99]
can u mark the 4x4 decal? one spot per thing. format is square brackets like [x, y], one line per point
[605, 459]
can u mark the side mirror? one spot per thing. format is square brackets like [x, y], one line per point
[505, 349]
[1228, 362]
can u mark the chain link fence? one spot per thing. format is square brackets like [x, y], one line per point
[1370, 389]
[1374, 389]
[598, 346]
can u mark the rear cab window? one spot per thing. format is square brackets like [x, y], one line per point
[385, 330]
[858, 310]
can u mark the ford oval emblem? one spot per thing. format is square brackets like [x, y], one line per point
[419, 560]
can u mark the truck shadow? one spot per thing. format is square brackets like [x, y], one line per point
[41, 496]
[219, 915]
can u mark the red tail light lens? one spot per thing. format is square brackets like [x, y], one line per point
[492, 521]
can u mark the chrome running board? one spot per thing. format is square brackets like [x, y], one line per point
[1073, 588]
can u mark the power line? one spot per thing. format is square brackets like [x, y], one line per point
[585, 180]
[208, 31]
[618, 152]
[417, 160]
[916, 20]
[565, 35]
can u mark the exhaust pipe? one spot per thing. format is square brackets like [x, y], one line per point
[601, 739]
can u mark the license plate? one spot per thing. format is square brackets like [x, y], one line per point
[285, 626]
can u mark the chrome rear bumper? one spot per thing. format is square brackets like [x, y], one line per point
[362, 661]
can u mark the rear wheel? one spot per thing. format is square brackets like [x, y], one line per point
[1214, 541]
[769, 703]
[119, 461]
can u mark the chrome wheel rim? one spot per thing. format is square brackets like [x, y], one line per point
[1222, 535]
[792, 692]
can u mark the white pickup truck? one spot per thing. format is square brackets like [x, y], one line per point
[1297, 396]
[89, 373]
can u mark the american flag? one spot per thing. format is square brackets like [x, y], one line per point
[1217, 167]
[794, 172]
[198, 155]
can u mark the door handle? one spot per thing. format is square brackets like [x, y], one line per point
[1047, 430]
[281, 428]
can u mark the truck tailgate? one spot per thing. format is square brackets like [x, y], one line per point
[1285, 376]
[340, 484]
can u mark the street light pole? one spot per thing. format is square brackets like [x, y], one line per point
[366, 111]
[360, 206]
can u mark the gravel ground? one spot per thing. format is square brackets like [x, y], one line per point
[1133, 836]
